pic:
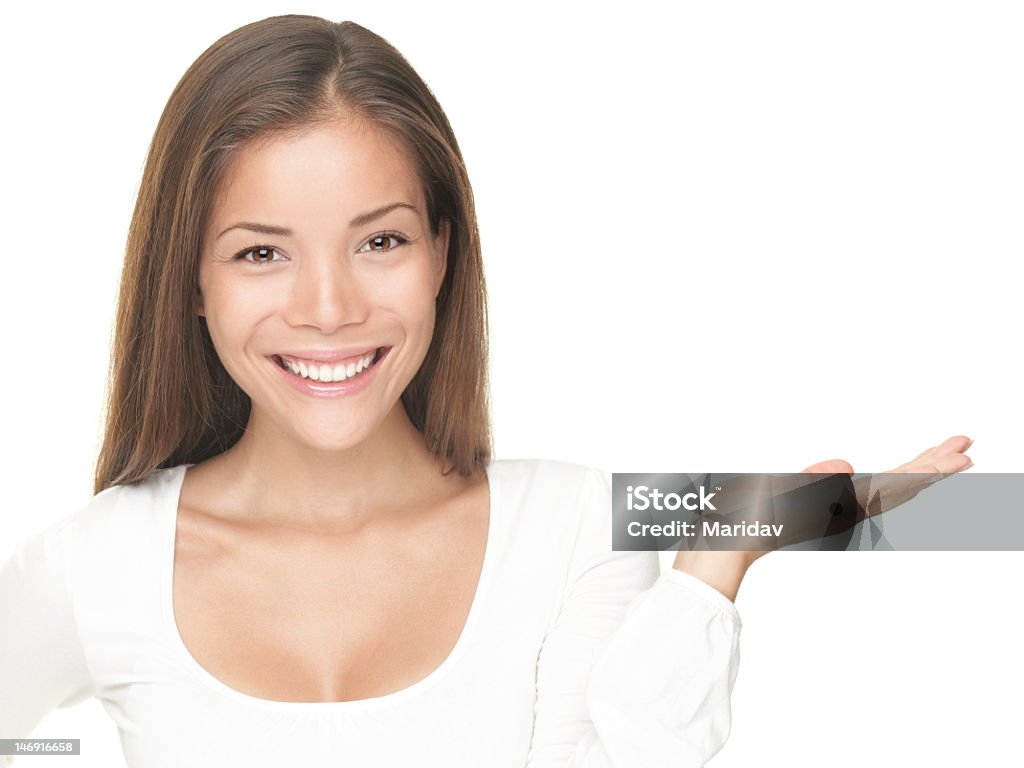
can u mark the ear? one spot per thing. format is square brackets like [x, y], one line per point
[198, 302]
[444, 231]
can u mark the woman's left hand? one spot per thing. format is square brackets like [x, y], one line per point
[881, 492]
[724, 570]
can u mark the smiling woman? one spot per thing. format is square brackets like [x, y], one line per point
[299, 544]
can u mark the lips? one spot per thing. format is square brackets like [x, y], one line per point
[345, 387]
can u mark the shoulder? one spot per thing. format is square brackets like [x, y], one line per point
[551, 475]
[129, 515]
[567, 507]
[118, 520]
[554, 494]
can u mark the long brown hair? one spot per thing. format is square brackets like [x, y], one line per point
[169, 399]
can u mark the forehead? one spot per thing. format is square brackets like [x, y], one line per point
[329, 172]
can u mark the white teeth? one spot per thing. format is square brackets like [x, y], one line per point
[328, 373]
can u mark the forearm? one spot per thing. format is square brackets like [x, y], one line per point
[721, 569]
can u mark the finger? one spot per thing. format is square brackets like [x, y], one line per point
[946, 465]
[921, 456]
[830, 467]
[955, 444]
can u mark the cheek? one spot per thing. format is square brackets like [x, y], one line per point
[407, 292]
[410, 295]
[232, 310]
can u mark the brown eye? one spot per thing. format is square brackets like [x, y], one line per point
[262, 254]
[380, 243]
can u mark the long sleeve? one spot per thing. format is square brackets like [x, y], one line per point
[638, 668]
[41, 661]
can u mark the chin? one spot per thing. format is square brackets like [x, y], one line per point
[331, 441]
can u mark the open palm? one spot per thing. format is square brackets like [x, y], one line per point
[878, 493]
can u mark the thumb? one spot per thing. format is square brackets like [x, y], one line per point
[830, 467]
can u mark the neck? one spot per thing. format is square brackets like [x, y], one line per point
[275, 478]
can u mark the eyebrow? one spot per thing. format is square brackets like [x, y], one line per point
[358, 221]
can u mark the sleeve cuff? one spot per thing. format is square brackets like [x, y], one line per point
[706, 591]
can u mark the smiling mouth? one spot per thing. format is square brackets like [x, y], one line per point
[328, 372]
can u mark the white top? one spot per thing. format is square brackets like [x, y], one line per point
[573, 655]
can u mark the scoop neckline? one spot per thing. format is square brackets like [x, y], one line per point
[175, 481]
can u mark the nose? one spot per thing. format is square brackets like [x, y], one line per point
[327, 293]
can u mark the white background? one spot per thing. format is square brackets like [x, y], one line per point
[724, 237]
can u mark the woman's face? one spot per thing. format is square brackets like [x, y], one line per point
[318, 257]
